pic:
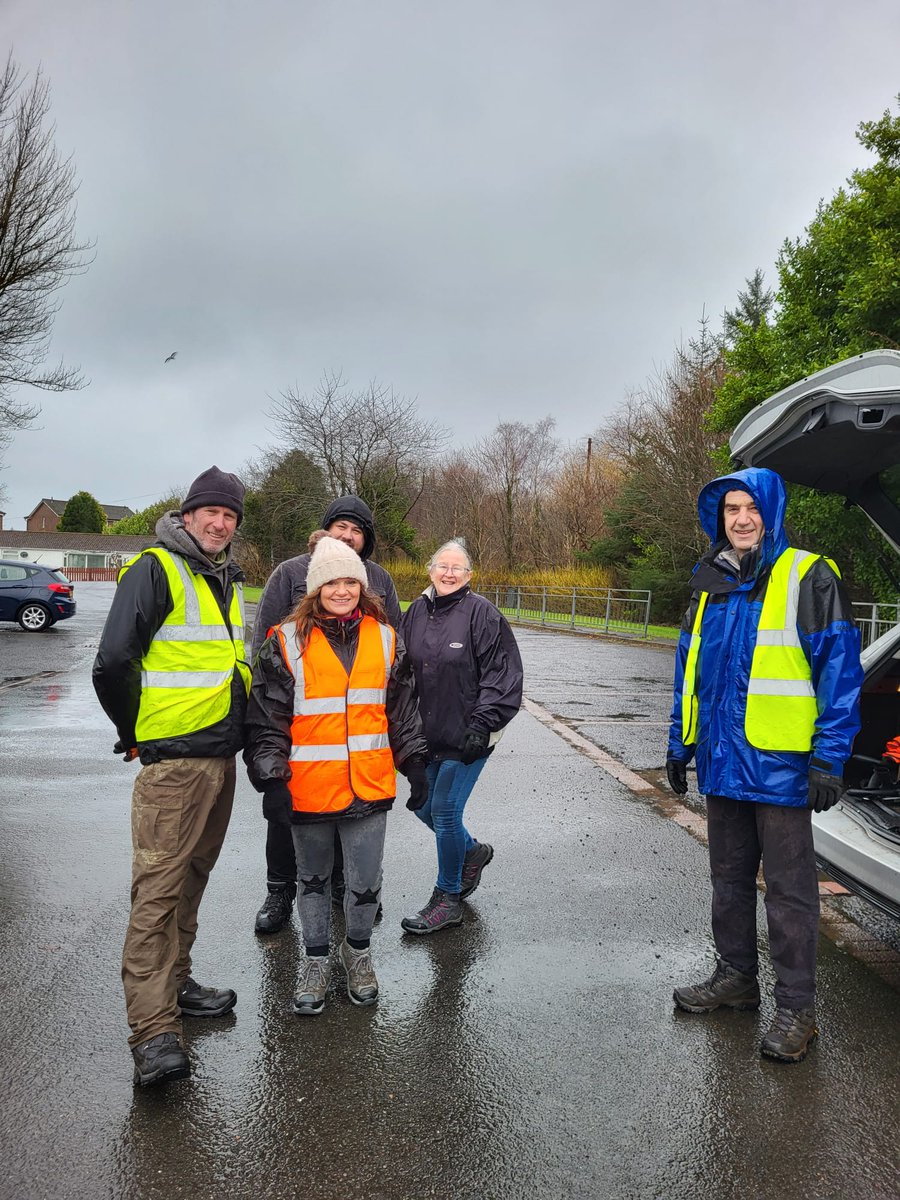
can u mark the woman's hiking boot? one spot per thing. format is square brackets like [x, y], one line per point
[725, 988]
[792, 1032]
[312, 984]
[362, 982]
[473, 864]
[442, 910]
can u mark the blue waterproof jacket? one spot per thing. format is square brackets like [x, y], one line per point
[727, 765]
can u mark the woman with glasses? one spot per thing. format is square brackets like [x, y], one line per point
[469, 679]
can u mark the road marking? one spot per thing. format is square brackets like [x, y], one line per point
[603, 760]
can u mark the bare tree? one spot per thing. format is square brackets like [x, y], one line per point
[38, 247]
[519, 460]
[371, 443]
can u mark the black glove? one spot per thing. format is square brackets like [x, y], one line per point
[277, 804]
[415, 772]
[475, 746]
[825, 788]
[127, 755]
[676, 773]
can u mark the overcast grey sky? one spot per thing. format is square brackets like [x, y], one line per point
[503, 208]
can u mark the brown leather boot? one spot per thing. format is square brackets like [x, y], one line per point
[725, 988]
[792, 1032]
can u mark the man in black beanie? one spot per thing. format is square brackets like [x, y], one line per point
[350, 520]
[172, 676]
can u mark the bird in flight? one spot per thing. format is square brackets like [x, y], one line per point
[171, 357]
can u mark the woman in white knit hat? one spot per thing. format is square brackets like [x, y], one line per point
[332, 711]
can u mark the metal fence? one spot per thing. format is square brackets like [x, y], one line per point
[875, 619]
[606, 610]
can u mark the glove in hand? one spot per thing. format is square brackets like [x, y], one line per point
[475, 746]
[127, 755]
[277, 804]
[418, 784]
[676, 773]
[825, 788]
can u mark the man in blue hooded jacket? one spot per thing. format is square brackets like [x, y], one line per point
[767, 680]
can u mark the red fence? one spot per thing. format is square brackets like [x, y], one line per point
[90, 574]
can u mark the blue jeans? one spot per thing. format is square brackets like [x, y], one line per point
[450, 784]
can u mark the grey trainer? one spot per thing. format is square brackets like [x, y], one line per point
[312, 984]
[725, 988]
[362, 983]
[792, 1032]
[441, 911]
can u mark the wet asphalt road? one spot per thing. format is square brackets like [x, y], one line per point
[534, 1052]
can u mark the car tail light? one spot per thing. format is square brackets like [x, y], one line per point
[60, 588]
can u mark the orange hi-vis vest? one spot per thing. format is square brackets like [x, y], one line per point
[339, 733]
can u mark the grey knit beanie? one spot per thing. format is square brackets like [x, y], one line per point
[332, 559]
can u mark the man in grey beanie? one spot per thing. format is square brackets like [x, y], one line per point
[172, 676]
[350, 520]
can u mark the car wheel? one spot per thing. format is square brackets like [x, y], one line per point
[34, 618]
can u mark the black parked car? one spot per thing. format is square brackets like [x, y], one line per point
[35, 596]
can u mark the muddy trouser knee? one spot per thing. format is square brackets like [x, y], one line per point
[362, 840]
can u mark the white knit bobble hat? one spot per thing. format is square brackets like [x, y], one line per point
[332, 559]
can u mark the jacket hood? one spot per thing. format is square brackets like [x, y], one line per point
[355, 510]
[767, 489]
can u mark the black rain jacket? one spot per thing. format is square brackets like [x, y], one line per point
[141, 604]
[467, 665]
[270, 713]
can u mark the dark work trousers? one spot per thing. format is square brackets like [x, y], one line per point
[281, 862]
[741, 833]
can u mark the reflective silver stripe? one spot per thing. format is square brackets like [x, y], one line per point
[323, 705]
[368, 741]
[780, 687]
[319, 754]
[387, 637]
[184, 679]
[366, 695]
[191, 600]
[778, 637]
[192, 633]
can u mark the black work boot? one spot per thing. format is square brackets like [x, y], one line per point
[197, 1001]
[442, 909]
[792, 1032]
[276, 911]
[160, 1060]
[725, 988]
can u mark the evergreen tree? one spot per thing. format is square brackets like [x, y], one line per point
[82, 515]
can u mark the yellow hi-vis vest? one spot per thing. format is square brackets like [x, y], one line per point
[781, 708]
[340, 746]
[186, 673]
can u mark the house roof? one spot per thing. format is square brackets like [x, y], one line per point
[113, 512]
[89, 542]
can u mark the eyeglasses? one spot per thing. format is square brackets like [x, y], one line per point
[443, 569]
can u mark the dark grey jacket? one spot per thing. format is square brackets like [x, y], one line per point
[467, 666]
[271, 710]
[286, 587]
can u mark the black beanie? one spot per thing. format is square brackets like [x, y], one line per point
[214, 489]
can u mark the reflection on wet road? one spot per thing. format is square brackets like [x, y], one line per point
[531, 1053]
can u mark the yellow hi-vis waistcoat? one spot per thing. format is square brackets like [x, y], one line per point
[339, 733]
[186, 673]
[781, 702]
